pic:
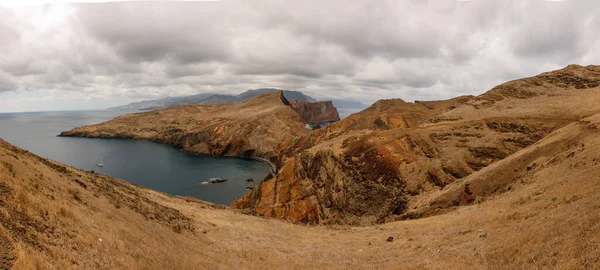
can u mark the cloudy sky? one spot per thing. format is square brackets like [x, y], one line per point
[92, 56]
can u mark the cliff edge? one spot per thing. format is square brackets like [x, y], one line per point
[315, 113]
[537, 208]
[253, 128]
[392, 160]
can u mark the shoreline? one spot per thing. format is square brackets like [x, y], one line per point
[271, 165]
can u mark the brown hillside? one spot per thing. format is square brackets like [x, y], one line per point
[54, 216]
[379, 164]
[252, 128]
[315, 113]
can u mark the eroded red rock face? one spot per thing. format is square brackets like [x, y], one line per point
[287, 197]
[315, 113]
[374, 165]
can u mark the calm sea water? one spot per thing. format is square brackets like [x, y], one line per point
[152, 165]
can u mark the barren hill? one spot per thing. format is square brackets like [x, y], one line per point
[398, 160]
[56, 216]
[253, 128]
[390, 161]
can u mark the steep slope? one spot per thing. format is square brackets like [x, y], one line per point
[371, 166]
[382, 115]
[315, 113]
[554, 157]
[56, 216]
[253, 128]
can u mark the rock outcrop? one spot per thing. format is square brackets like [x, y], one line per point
[544, 211]
[379, 164]
[253, 128]
[521, 201]
[389, 161]
[315, 113]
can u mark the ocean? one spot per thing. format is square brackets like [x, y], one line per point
[153, 165]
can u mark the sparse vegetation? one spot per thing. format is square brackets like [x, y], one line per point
[462, 216]
[75, 194]
[226, 238]
[63, 212]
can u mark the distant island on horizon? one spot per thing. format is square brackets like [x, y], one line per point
[213, 98]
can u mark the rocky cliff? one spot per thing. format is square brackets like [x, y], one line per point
[534, 208]
[253, 128]
[392, 159]
[315, 113]
[543, 212]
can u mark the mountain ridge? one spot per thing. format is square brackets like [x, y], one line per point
[508, 179]
[252, 128]
[56, 216]
[213, 98]
[379, 164]
[376, 165]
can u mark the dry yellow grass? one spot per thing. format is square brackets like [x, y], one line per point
[408, 160]
[550, 218]
[537, 208]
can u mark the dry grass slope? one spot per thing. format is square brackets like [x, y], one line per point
[506, 180]
[55, 216]
[381, 163]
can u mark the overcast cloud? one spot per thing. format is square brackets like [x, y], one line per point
[90, 56]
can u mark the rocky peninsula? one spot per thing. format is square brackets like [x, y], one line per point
[507, 179]
[394, 160]
[252, 129]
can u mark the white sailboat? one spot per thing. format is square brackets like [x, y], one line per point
[100, 164]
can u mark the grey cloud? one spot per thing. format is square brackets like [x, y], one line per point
[364, 28]
[23, 68]
[150, 32]
[365, 50]
[7, 83]
[174, 71]
[550, 31]
[8, 30]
